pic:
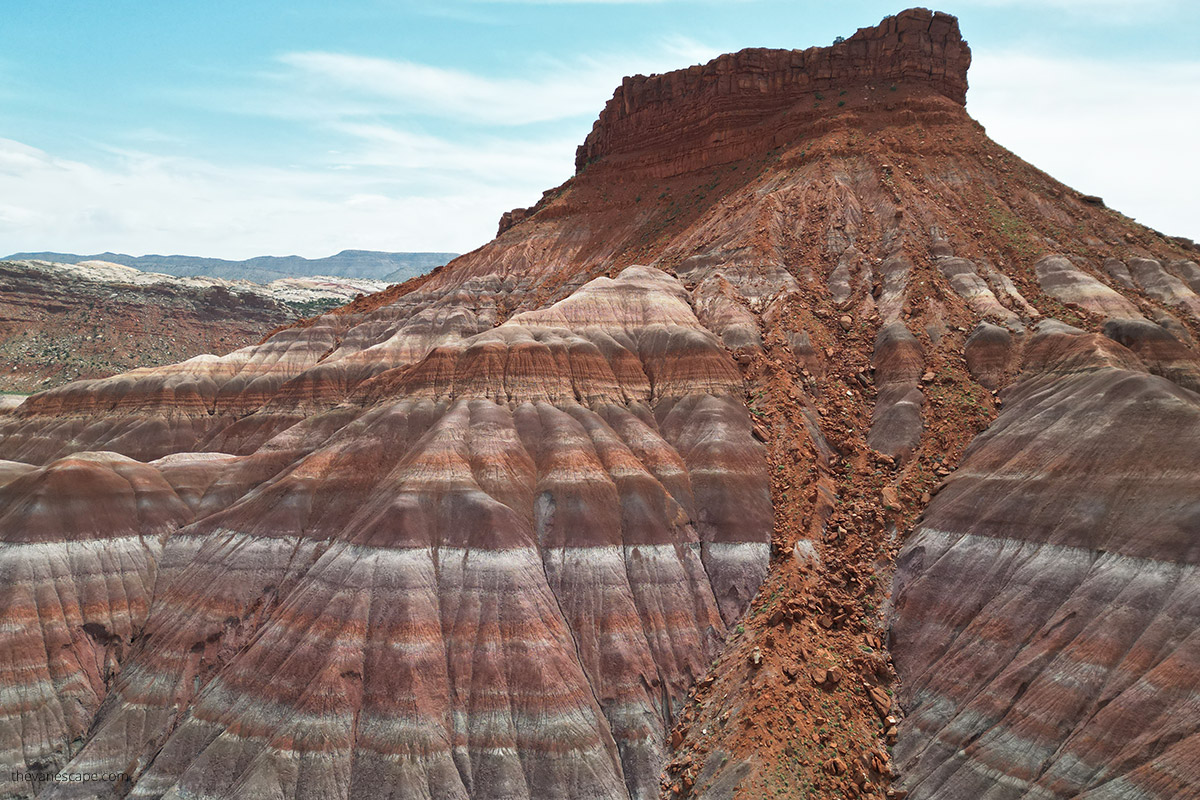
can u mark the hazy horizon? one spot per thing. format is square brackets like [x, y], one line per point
[241, 130]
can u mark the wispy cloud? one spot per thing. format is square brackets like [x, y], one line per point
[602, 2]
[401, 155]
[1108, 128]
[505, 160]
[558, 90]
[445, 92]
[378, 180]
[1100, 12]
[149, 203]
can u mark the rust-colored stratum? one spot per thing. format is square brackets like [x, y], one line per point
[806, 443]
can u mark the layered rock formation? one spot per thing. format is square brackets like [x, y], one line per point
[1048, 603]
[88, 320]
[354, 265]
[759, 89]
[511, 559]
[609, 507]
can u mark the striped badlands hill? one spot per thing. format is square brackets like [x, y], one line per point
[1048, 606]
[492, 571]
[612, 506]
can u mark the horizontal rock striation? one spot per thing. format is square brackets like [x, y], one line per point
[80, 542]
[608, 507]
[898, 363]
[550, 525]
[1046, 607]
[700, 105]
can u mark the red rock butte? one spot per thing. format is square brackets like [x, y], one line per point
[701, 108]
[806, 442]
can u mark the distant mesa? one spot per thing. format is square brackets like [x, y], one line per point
[64, 317]
[369, 264]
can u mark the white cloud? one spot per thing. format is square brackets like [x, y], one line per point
[600, 2]
[1125, 131]
[1122, 7]
[145, 203]
[445, 92]
[370, 177]
[1086, 13]
[358, 85]
[495, 160]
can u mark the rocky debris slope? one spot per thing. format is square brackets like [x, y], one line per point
[611, 505]
[87, 320]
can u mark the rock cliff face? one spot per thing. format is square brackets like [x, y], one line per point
[713, 113]
[88, 320]
[610, 506]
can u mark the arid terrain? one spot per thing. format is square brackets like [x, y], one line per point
[368, 265]
[805, 443]
[59, 322]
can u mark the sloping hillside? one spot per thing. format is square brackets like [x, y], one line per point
[806, 443]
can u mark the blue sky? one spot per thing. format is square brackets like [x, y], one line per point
[239, 128]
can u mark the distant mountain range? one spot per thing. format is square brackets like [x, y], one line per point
[371, 264]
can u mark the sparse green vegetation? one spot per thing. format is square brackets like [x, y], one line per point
[311, 308]
[1013, 229]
